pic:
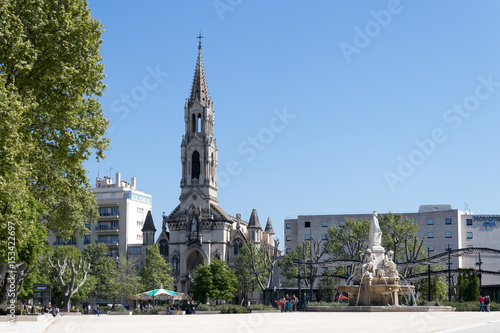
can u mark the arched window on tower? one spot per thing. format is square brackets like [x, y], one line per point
[199, 122]
[163, 247]
[195, 165]
[193, 123]
[237, 247]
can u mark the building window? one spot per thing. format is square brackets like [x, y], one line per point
[430, 221]
[307, 224]
[449, 262]
[448, 247]
[288, 250]
[86, 239]
[342, 223]
[469, 221]
[430, 235]
[289, 226]
[478, 261]
[288, 238]
[108, 211]
[447, 221]
[469, 235]
[135, 250]
[237, 247]
[324, 224]
[324, 237]
[163, 248]
[469, 246]
[448, 234]
[307, 236]
[430, 248]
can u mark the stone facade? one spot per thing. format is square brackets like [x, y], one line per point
[198, 229]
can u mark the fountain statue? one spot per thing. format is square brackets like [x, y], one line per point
[375, 281]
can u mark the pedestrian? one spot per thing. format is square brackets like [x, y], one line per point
[89, 309]
[96, 311]
[481, 304]
[487, 302]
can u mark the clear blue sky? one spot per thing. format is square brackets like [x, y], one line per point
[388, 104]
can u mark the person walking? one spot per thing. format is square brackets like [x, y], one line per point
[481, 304]
[487, 302]
[96, 310]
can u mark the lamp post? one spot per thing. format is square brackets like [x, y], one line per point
[448, 249]
[479, 263]
[153, 284]
[429, 275]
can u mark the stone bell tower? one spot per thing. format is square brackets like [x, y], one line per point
[198, 147]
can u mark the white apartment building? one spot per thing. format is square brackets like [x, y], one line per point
[123, 212]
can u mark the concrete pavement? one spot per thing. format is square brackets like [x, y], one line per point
[308, 322]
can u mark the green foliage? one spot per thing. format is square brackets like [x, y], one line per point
[103, 270]
[127, 278]
[439, 287]
[243, 269]
[214, 281]
[225, 308]
[468, 284]
[51, 75]
[155, 271]
[395, 233]
[289, 270]
[344, 242]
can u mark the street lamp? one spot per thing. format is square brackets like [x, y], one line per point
[153, 284]
[479, 263]
[448, 249]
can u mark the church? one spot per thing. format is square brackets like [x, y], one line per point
[198, 230]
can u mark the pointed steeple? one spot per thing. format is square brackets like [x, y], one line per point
[148, 223]
[254, 220]
[269, 226]
[199, 90]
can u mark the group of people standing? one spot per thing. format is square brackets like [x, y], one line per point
[288, 304]
[484, 303]
[96, 310]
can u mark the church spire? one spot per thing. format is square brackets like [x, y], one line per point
[199, 90]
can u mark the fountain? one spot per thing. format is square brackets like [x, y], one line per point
[375, 281]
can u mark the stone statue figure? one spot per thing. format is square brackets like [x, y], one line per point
[390, 265]
[369, 262]
[358, 271]
[375, 232]
[194, 225]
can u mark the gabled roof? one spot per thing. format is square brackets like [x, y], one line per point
[269, 226]
[253, 222]
[148, 223]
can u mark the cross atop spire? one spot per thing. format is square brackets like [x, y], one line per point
[199, 42]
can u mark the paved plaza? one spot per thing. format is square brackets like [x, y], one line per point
[309, 322]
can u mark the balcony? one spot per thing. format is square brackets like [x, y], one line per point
[108, 242]
[107, 228]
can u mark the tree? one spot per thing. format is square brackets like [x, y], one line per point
[309, 250]
[215, 281]
[263, 259]
[242, 268]
[127, 278]
[155, 271]
[397, 234]
[103, 269]
[202, 284]
[468, 284]
[51, 75]
[69, 281]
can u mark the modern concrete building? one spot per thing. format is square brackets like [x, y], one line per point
[441, 227]
[199, 230]
[125, 223]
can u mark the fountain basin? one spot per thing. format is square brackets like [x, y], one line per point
[374, 294]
